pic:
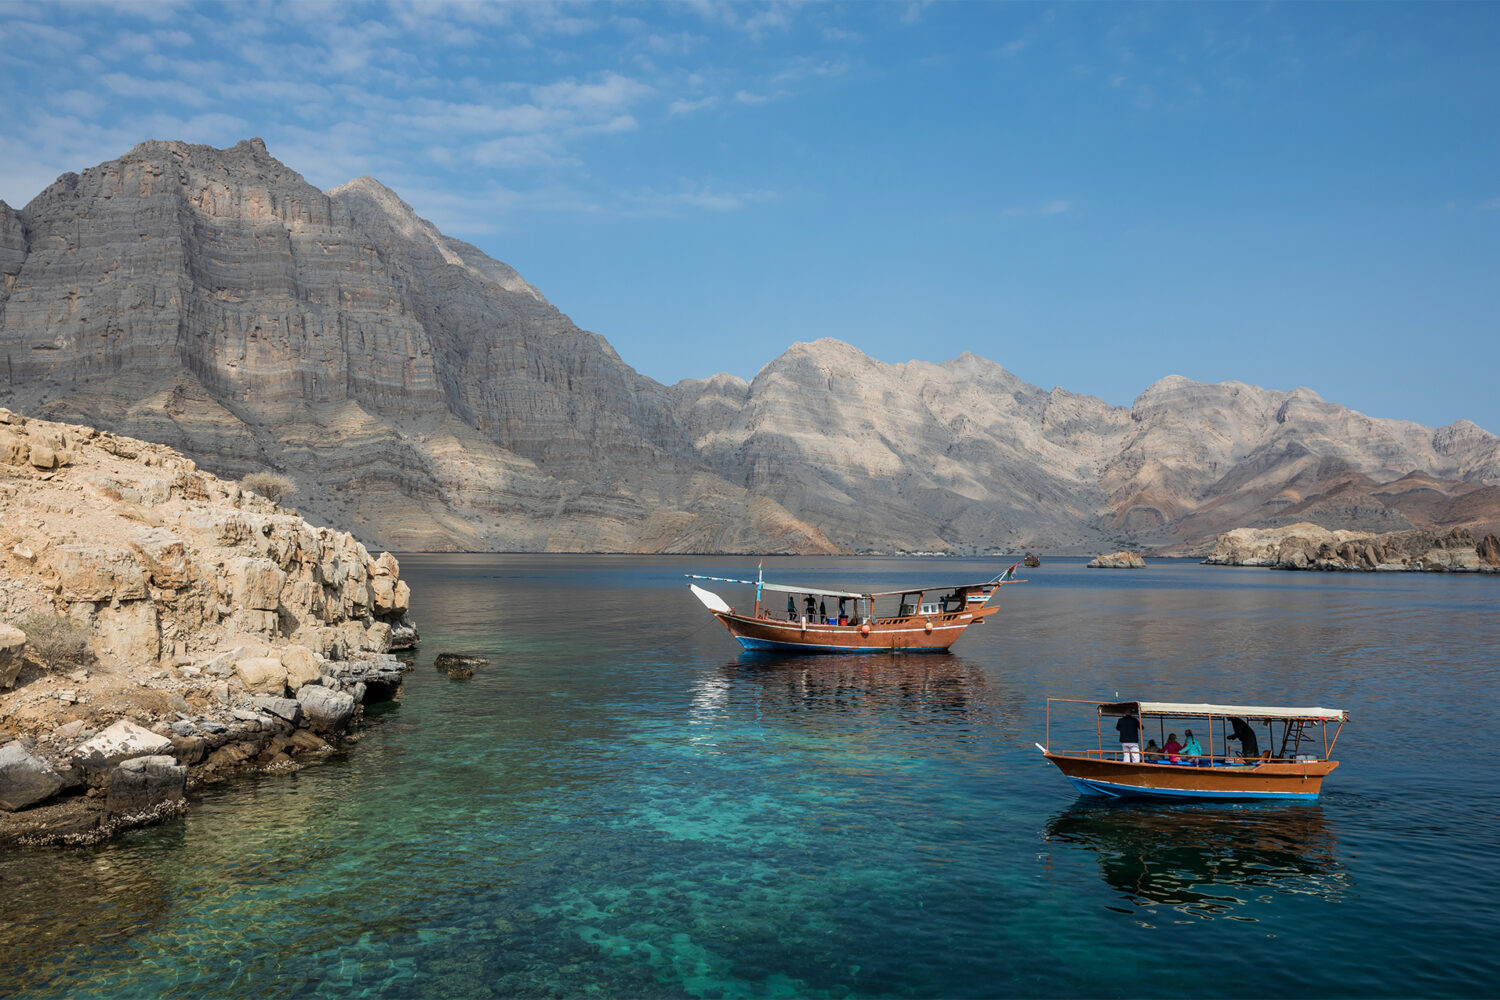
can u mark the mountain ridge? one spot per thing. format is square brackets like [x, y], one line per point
[425, 396]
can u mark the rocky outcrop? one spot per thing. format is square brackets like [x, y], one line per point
[1118, 560]
[211, 621]
[1308, 546]
[427, 397]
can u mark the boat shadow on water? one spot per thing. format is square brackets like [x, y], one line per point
[1203, 860]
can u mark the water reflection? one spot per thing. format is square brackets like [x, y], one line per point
[1205, 860]
[941, 686]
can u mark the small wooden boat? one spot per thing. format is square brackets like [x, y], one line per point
[1293, 766]
[1031, 561]
[919, 623]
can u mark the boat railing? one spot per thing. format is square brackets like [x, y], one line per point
[1186, 760]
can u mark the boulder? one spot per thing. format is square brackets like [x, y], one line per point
[282, 708]
[121, 741]
[43, 456]
[145, 784]
[324, 709]
[24, 779]
[301, 666]
[447, 661]
[12, 645]
[262, 675]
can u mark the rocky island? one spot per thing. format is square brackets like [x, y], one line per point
[1308, 546]
[182, 629]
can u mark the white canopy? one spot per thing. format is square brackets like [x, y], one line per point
[786, 588]
[1194, 708]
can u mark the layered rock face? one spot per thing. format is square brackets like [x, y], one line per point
[419, 391]
[427, 397]
[216, 631]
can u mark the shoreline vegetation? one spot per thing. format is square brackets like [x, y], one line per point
[184, 630]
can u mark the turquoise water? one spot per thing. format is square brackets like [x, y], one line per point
[621, 804]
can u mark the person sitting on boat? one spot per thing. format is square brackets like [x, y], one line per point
[1191, 747]
[1172, 748]
[1249, 745]
[1153, 752]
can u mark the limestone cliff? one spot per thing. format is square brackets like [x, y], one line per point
[421, 393]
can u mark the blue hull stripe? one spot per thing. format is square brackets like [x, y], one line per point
[1114, 790]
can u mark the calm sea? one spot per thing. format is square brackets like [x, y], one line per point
[622, 805]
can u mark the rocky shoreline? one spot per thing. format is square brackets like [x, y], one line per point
[209, 633]
[1310, 547]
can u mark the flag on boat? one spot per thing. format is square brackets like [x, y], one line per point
[1009, 574]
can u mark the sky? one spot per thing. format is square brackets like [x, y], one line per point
[1094, 195]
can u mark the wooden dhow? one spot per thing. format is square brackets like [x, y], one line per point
[1296, 760]
[925, 619]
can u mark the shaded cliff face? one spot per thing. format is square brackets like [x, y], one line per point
[426, 397]
[421, 393]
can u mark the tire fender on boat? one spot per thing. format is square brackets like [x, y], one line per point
[928, 626]
[864, 629]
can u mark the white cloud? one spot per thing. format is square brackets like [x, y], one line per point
[682, 107]
[139, 89]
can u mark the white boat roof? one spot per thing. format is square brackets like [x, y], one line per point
[788, 588]
[1203, 708]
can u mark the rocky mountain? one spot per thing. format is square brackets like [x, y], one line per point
[426, 397]
[420, 392]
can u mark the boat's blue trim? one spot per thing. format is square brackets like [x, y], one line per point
[1115, 790]
[764, 645]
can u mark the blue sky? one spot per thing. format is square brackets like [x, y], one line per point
[1092, 195]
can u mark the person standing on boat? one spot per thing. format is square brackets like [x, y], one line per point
[791, 608]
[1130, 738]
[1249, 745]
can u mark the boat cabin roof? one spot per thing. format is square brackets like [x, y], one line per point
[1195, 708]
[788, 588]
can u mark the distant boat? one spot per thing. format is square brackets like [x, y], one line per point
[1295, 769]
[920, 623]
[1031, 560]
